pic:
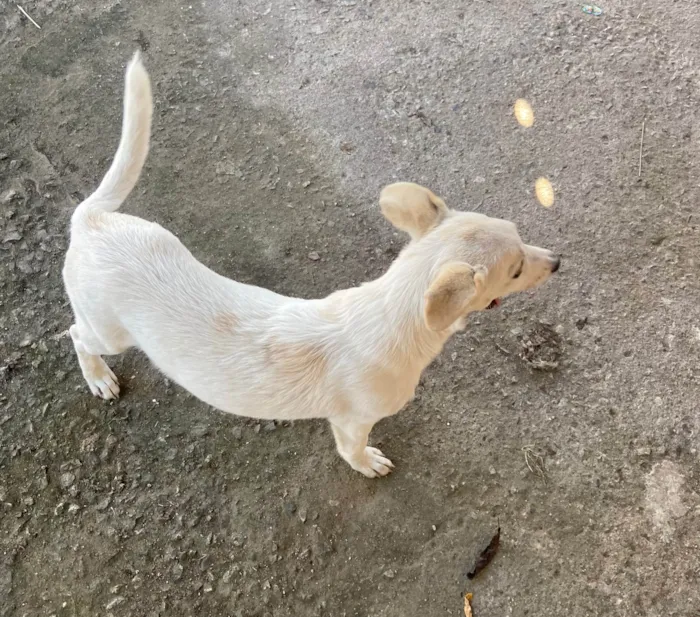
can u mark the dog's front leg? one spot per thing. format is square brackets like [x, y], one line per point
[351, 440]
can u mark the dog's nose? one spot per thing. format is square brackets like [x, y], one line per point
[556, 263]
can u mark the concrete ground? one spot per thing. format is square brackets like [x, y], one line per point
[277, 123]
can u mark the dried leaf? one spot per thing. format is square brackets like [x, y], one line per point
[486, 555]
[467, 605]
[523, 113]
[544, 192]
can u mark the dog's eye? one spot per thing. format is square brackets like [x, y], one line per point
[519, 271]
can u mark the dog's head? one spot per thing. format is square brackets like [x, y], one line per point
[477, 259]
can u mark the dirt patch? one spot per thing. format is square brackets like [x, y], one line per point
[541, 348]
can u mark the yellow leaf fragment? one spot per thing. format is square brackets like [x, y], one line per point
[544, 192]
[467, 605]
[523, 113]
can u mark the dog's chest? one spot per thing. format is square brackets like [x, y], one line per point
[390, 388]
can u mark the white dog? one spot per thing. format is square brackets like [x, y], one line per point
[354, 357]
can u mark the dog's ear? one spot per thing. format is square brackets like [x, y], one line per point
[411, 208]
[450, 293]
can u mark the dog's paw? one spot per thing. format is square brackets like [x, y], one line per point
[102, 381]
[374, 464]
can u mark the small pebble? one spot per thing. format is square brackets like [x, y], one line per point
[42, 480]
[13, 236]
[67, 479]
[314, 256]
[8, 196]
[200, 431]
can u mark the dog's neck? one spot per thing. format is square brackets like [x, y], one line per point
[389, 313]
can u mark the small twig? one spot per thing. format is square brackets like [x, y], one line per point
[527, 459]
[534, 459]
[641, 149]
[21, 10]
[502, 350]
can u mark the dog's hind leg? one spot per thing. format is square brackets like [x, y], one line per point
[351, 440]
[99, 376]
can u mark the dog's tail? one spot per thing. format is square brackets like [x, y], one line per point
[133, 145]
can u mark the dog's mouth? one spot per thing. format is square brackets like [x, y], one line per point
[494, 303]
